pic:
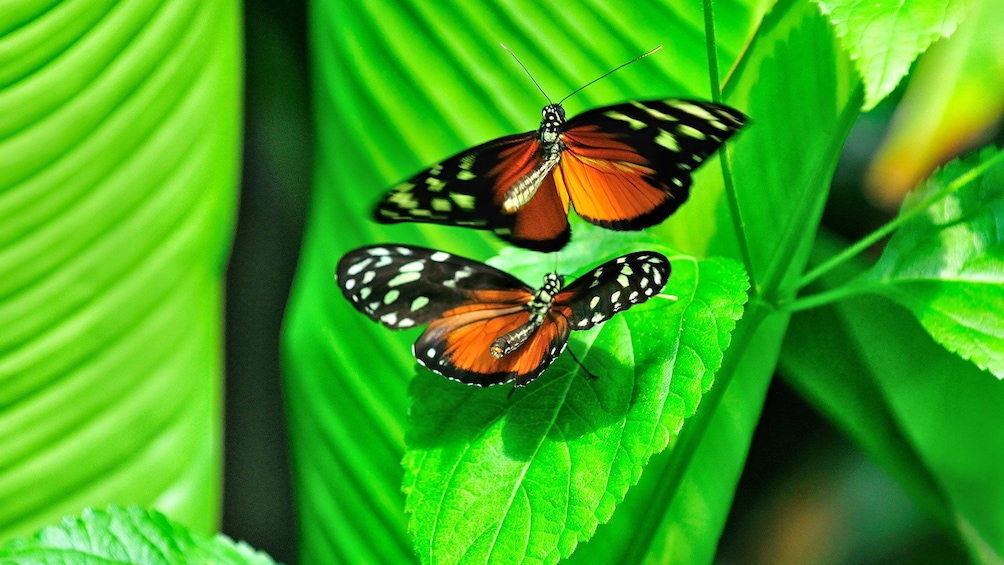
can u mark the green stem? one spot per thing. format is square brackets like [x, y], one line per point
[726, 157]
[824, 298]
[811, 204]
[872, 238]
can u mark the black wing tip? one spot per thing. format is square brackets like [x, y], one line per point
[540, 245]
[381, 216]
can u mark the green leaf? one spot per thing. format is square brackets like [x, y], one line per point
[126, 535]
[496, 479]
[946, 262]
[119, 157]
[884, 37]
[398, 87]
[922, 413]
[781, 164]
[786, 157]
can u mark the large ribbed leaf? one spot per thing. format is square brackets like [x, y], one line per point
[119, 138]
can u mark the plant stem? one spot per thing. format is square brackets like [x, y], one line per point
[726, 157]
[905, 216]
[824, 298]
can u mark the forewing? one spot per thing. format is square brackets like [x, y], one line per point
[612, 287]
[457, 345]
[464, 190]
[629, 166]
[403, 286]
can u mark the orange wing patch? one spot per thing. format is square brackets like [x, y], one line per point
[544, 217]
[513, 164]
[608, 183]
[458, 344]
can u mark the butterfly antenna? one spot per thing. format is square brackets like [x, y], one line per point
[527, 72]
[588, 372]
[639, 57]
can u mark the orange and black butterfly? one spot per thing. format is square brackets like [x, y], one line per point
[486, 326]
[622, 167]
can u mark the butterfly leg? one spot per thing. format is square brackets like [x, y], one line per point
[588, 372]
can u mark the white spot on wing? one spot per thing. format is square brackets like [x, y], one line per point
[694, 110]
[465, 201]
[404, 278]
[667, 140]
[691, 132]
[439, 256]
[631, 122]
[355, 269]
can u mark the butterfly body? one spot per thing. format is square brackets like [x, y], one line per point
[485, 326]
[622, 167]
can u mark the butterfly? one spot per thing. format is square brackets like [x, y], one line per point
[485, 326]
[621, 167]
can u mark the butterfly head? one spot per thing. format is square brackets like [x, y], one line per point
[552, 118]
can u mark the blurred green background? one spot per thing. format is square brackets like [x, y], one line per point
[806, 495]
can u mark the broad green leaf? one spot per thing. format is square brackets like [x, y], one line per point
[126, 535]
[946, 262]
[399, 86]
[802, 97]
[493, 479]
[119, 154]
[954, 95]
[782, 164]
[921, 412]
[884, 37]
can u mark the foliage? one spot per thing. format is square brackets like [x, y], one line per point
[119, 158]
[126, 535]
[486, 477]
[118, 155]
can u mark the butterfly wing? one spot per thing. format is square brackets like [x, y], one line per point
[458, 344]
[612, 287]
[403, 286]
[468, 189]
[467, 305]
[628, 166]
